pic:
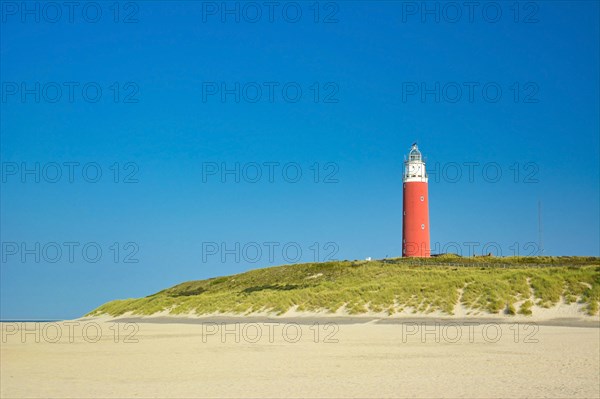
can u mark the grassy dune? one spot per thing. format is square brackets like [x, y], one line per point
[510, 285]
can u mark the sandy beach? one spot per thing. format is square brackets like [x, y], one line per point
[302, 357]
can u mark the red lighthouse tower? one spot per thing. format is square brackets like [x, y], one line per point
[415, 219]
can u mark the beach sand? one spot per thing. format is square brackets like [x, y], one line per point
[308, 357]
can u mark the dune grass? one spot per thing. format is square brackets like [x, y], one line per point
[489, 285]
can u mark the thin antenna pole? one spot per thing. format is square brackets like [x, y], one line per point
[540, 242]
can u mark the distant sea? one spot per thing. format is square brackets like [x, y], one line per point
[28, 321]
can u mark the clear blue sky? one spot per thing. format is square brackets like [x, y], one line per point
[369, 65]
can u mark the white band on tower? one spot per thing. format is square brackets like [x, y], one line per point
[414, 167]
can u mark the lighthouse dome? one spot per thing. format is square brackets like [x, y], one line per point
[414, 154]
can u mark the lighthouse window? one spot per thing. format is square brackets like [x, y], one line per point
[422, 227]
[422, 198]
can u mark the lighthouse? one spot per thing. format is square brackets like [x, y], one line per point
[415, 216]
